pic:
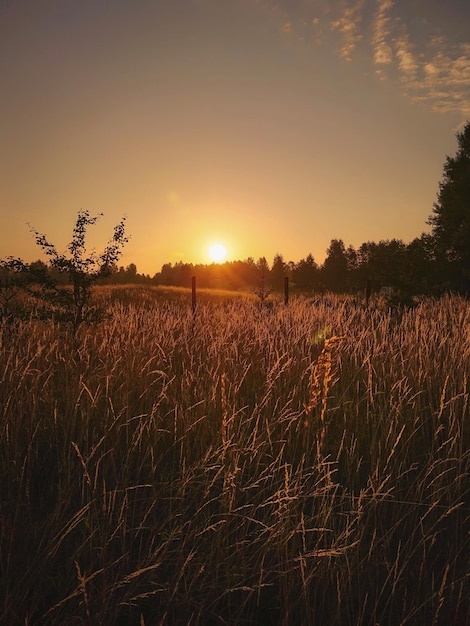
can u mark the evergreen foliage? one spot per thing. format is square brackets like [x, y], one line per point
[451, 216]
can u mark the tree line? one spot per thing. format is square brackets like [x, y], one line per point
[411, 269]
[431, 264]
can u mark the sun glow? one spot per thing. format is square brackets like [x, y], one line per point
[217, 252]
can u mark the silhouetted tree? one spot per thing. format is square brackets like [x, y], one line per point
[335, 267]
[131, 271]
[306, 275]
[381, 263]
[278, 273]
[165, 277]
[80, 268]
[420, 273]
[354, 279]
[241, 275]
[251, 272]
[262, 290]
[38, 266]
[450, 218]
[14, 278]
[183, 273]
[388, 260]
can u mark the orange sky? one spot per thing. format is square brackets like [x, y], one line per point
[268, 126]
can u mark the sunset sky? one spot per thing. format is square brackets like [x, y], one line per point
[270, 126]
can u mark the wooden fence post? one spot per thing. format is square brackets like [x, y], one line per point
[286, 290]
[193, 293]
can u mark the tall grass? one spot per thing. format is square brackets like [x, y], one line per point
[306, 464]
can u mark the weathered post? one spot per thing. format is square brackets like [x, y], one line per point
[193, 293]
[286, 290]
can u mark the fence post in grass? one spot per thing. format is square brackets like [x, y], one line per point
[193, 294]
[286, 290]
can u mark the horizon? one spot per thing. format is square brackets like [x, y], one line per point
[227, 261]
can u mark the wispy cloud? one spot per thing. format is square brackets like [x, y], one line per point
[407, 62]
[443, 79]
[435, 71]
[383, 53]
[348, 24]
[286, 27]
[432, 69]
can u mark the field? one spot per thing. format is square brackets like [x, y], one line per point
[301, 464]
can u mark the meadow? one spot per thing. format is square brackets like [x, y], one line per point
[301, 464]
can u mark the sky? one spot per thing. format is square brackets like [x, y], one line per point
[269, 126]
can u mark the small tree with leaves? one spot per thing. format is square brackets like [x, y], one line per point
[82, 269]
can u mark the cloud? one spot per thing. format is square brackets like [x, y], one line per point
[443, 79]
[348, 24]
[406, 60]
[435, 71]
[408, 48]
[382, 29]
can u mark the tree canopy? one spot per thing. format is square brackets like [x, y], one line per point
[451, 216]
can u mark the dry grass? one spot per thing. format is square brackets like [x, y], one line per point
[295, 465]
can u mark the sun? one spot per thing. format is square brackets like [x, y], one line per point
[218, 252]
